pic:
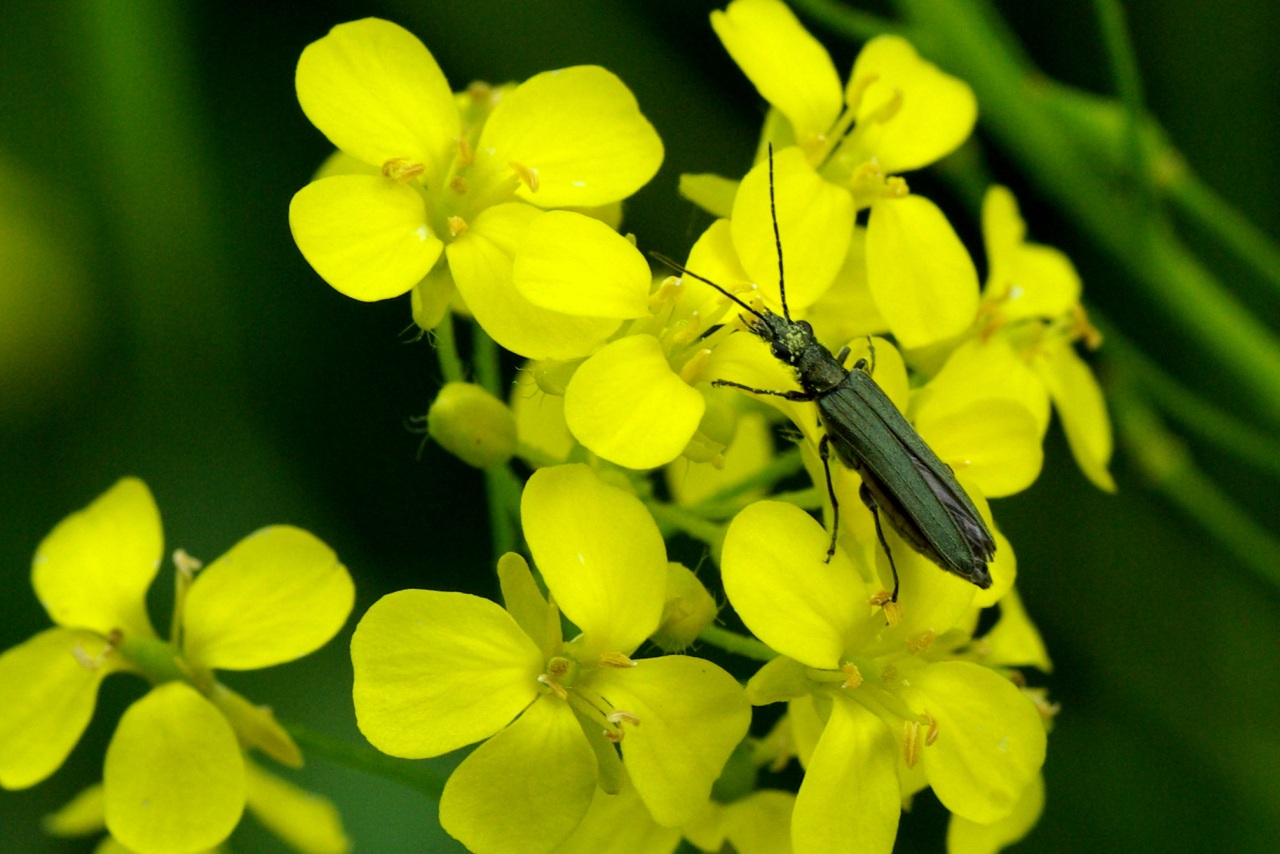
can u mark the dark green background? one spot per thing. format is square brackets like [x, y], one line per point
[178, 335]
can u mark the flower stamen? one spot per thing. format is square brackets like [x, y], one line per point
[528, 174]
[402, 171]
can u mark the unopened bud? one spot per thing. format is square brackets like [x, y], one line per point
[688, 610]
[473, 425]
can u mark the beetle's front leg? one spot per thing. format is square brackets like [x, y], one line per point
[798, 396]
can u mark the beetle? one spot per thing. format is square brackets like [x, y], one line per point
[901, 475]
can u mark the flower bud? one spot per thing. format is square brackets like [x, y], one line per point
[688, 610]
[473, 425]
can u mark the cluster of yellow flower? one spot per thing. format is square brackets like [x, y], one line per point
[502, 204]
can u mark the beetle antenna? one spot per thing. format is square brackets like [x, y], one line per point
[684, 271]
[777, 240]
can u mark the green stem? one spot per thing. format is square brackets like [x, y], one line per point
[502, 488]
[737, 644]
[447, 350]
[1198, 415]
[782, 466]
[358, 757]
[1172, 472]
[487, 359]
[862, 26]
[1124, 70]
[671, 516]
[1199, 203]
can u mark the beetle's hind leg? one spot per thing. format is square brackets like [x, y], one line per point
[870, 501]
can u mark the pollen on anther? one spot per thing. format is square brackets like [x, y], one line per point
[457, 225]
[402, 171]
[624, 717]
[910, 743]
[528, 174]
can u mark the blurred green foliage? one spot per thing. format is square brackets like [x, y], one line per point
[156, 319]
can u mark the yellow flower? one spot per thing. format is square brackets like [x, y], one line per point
[896, 113]
[1032, 300]
[175, 775]
[467, 176]
[436, 671]
[867, 697]
[307, 822]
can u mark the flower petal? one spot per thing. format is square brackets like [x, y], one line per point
[377, 93]
[92, 571]
[849, 798]
[994, 443]
[50, 688]
[308, 822]
[920, 274]
[526, 788]
[848, 310]
[81, 816]
[579, 130]
[1014, 641]
[366, 235]
[713, 193]
[481, 261]
[435, 671]
[789, 68]
[579, 266]
[174, 775]
[627, 405]
[1083, 411]
[760, 823]
[278, 595]
[714, 258]
[991, 742]
[969, 837]
[815, 225]
[775, 577]
[980, 369]
[937, 110]
[691, 716]
[620, 824]
[1025, 279]
[600, 553]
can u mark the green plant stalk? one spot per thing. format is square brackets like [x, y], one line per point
[1174, 474]
[362, 758]
[1209, 211]
[1128, 81]
[446, 347]
[1140, 375]
[736, 643]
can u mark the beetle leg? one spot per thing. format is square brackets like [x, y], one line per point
[867, 366]
[824, 451]
[799, 396]
[868, 500]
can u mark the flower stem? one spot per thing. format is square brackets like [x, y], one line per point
[358, 757]
[447, 350]
[737, 644]
[1174, 474]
